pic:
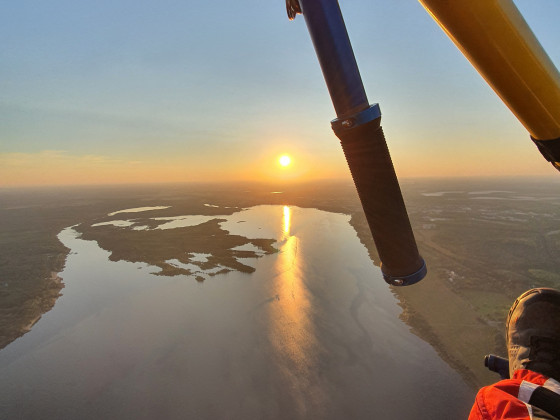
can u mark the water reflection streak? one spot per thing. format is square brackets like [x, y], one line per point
[292, 332]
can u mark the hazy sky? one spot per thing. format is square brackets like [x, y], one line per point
[126, 91]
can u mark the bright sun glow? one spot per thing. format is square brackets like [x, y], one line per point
[285, 160]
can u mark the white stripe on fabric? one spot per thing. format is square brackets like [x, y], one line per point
[526, 389]
[529, 410]
[552, 385]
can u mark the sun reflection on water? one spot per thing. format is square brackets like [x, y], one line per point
[292, 329]
[287, 214]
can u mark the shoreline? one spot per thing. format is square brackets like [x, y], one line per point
[441, 317]
[14, 326]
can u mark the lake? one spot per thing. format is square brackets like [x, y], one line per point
[314, 332]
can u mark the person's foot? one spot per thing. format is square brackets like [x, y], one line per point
[533, 332]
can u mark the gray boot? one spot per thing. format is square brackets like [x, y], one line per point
[533, 332]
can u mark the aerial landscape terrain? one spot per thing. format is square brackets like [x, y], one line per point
[181, 235]
[485, 242]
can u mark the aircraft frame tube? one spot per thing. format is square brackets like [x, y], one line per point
[358, 128]
[336, 57]
[495, 38]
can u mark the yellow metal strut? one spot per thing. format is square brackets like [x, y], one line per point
[495, 38]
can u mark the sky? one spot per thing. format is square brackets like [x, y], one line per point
[127, 91]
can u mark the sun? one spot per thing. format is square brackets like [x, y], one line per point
[284, 160]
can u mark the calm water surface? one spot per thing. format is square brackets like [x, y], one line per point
[314, 333]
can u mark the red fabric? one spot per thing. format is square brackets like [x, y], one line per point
[500, 402]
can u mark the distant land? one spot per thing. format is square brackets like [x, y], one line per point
[485, 242]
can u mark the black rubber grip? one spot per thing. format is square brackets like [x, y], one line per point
[497, 364]
[375, 179]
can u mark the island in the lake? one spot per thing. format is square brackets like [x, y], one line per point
[200, 250]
